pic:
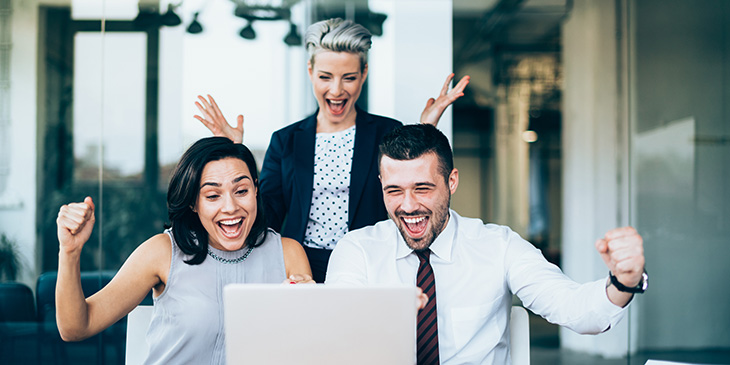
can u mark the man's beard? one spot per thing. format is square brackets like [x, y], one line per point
[437, 220]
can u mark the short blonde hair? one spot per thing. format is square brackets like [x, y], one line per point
[338, 35]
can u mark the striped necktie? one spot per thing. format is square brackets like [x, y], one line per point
[428, 339]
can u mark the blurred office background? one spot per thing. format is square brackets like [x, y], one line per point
[580, 116]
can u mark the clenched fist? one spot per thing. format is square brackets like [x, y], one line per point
[75, 222]
[622, 250]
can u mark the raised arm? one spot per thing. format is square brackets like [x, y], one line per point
[79, 318]
[213, 119]
[435, 107]
[622, 250]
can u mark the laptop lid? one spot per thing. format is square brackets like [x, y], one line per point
[318, 324]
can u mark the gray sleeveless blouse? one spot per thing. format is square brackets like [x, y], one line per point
[187, 319]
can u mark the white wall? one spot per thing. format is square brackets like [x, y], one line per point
[409, 64]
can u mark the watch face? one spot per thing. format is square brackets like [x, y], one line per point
[644, 281]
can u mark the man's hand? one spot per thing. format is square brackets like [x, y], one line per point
[435, 107]
[213, 119]
[622, 250]
[75, 222]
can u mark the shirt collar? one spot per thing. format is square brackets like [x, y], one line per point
[441, 247]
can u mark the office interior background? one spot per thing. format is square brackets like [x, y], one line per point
[580, 116]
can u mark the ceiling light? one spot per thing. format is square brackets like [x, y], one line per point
[293, 38]
[261, 12]
[195, 27]
[247, 32]
[529, 136]
[170, 18]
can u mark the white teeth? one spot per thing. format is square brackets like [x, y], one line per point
[336, 102]
[413, 220]
[230, 222]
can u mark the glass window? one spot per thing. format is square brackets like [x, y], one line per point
[109, 101]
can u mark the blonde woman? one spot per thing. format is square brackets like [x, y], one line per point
[320, 176]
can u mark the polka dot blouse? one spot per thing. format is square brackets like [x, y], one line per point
[328, 213]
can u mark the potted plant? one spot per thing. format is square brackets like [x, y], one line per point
[10, 264]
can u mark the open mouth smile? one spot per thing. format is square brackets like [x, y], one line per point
[231, 228]
[415, 226]
[336, 106]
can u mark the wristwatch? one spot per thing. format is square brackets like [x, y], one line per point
[640, 288]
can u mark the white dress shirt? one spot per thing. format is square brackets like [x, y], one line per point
[477, 268]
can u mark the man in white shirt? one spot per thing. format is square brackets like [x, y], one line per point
[473, 267]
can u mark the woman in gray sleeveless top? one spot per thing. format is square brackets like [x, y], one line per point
[217, 236]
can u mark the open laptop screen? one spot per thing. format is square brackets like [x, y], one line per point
[318, 324]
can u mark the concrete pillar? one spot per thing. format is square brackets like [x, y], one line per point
[594, 161]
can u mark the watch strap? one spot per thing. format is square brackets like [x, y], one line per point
[640, 288]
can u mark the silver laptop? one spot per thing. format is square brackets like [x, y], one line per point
[318, 324]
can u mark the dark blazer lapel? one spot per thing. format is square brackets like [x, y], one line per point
[362, 159]
[304, 139]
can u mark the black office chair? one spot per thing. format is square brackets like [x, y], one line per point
[18, 325]
[94, 349]
[113, 337]
[16, 303]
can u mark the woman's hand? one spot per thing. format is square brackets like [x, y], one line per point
[299, 279]
[75, 222]
[295, 262]
[213, 119]
[435, 107]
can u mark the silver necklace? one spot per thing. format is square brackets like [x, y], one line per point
[230, 261]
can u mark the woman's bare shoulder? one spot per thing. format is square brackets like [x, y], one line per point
[154, 254]
[156, 245]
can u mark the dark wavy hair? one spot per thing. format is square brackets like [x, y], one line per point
[412, 141]
[182, 194]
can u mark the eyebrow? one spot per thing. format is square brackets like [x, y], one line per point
[217, 185]
[418, 184]
[346, 74]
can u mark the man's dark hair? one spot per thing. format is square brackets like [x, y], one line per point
[413, 141]
[182, 194]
